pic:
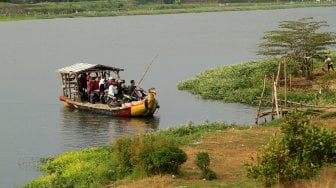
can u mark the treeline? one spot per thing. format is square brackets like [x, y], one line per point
[158, 1]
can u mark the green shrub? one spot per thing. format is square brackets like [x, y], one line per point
[150, 154]
[163, 159]
[203, 161]
[123, 153]
[302, 151]
[208, 174]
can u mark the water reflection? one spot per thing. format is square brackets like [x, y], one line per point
[83, 129]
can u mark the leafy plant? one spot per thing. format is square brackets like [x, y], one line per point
[302, 151]
[162, 159]
[203, 161]
[123, 154]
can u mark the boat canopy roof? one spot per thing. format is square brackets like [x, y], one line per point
[85, 67]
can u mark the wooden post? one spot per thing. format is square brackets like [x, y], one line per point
[260, 101]
[69, 86]
[285, 73]
[276, 99]
[278, 74]
[275, 90]
[290, 82]
[273, 100]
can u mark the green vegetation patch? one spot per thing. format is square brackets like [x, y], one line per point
[135, 157]
[85, 168]
[47, 10]
[302, 151]
[236, 83]
[243, 83]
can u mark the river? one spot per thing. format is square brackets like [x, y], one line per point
[35, 125]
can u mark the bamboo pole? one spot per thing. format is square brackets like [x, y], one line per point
[278, 74]
[69, 86]
[260, 101]
[275, 90]
[290, 82]
[273, 100]
[285, 73]
[276, 100]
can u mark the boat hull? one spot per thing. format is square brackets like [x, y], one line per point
[132, 109]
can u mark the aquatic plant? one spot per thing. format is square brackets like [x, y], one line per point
[235, 83]
[243, 83]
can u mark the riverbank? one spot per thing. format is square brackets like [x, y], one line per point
[49, 10]
[229, 148]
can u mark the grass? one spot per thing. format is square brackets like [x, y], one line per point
[228, 148]
[50, 10]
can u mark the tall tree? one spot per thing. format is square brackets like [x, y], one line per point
[299, 41]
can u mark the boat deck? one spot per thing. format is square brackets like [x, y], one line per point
[98, 106]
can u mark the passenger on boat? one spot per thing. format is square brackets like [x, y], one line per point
[114, 88]
[89, 85]
[93, 90]
[109, 81]
[134, 91]
[122, 91]
[112, 99]
[102, 84]
[102, 90]
[82, 86]
[96, 84]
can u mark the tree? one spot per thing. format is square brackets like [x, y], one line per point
[299, 41]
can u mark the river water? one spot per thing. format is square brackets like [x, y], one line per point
[34, 124]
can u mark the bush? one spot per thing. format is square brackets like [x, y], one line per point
[162, 159]
[203, 161]
[302, 151]
[148, 155]
[123, 153]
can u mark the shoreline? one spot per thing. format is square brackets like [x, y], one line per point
[15, 12]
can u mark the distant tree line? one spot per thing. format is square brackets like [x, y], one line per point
[160, 1]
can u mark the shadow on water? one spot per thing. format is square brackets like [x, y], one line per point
[83, 129]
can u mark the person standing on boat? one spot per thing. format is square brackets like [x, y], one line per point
[82, 86]
[102, 84]
[96, 84]
[88, 84]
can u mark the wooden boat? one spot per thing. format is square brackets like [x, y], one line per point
[75, 94]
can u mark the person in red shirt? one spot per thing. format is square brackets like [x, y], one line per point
[96, 84]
